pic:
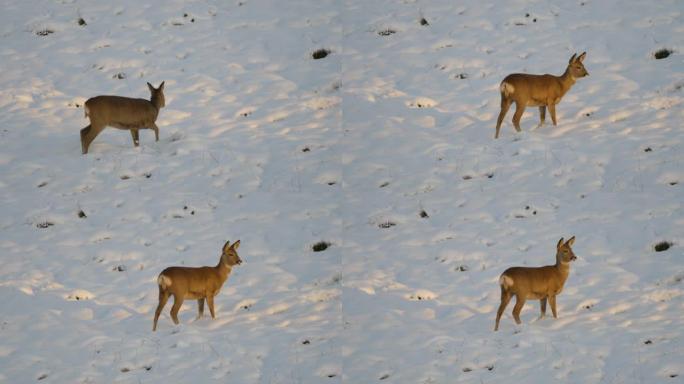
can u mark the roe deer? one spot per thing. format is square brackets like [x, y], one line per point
[123, 113]
[540, 283]
[538, 91]
[195, 283]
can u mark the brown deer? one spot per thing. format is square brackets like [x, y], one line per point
[123, 113]
[195, 283]
[538, 91]
[540, 283]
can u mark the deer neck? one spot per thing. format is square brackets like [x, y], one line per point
[223, 270]
[563, 269]
[567, 80]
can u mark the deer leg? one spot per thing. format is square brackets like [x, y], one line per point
[136, 138]
[552, 110]
[200, 308]
[519, 109]
[542, 115]
[163, 297]
[519, 302]
[542, 308]
[177, 303]
[156, 131]
[210, 302]
[88, 134]
[505, 104]
[552, 301]
[505, 298]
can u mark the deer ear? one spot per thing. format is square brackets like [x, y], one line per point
[161, 86]
[150, 87]
[226, 246]
[572, 59]
[235, 245]
[560, 242]
[570, 242]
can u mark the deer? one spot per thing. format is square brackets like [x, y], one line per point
[200, 283]
[543, 91]
[123, 113]
[539, 283]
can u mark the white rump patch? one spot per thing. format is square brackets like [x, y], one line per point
[507, 89]
[506, 281]
[164, 281]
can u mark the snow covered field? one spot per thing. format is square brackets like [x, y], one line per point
[384, 149]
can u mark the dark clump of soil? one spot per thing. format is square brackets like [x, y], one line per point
[423, 22]
[387, 32]
[81, 22]
[81, 214]
[321, 246]
[662, 53]
[44, 224]
[423, 214]
[45, 32]
[386, 224]
[662, 246]
[320, 54]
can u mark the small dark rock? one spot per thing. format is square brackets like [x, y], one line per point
[662, 53]
[306, 342]
[320, 246]
[527, 15]
[119, 76]
[662, 246]
[320, 54]
[384, 377]
[306, 149]
[383, 185]
[423, 21]
[648, 149]
[466, 369]
[534, 20]
[120, 268]
[148, 367]
[42, 377]
[463, 268]
[81, 214]
[423, 214]
[81, 22]
[124, 177]
[648, 342]
[41, 185]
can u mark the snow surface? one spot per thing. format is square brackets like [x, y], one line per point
[259, 142]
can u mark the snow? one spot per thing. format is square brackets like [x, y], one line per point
[262, 143]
